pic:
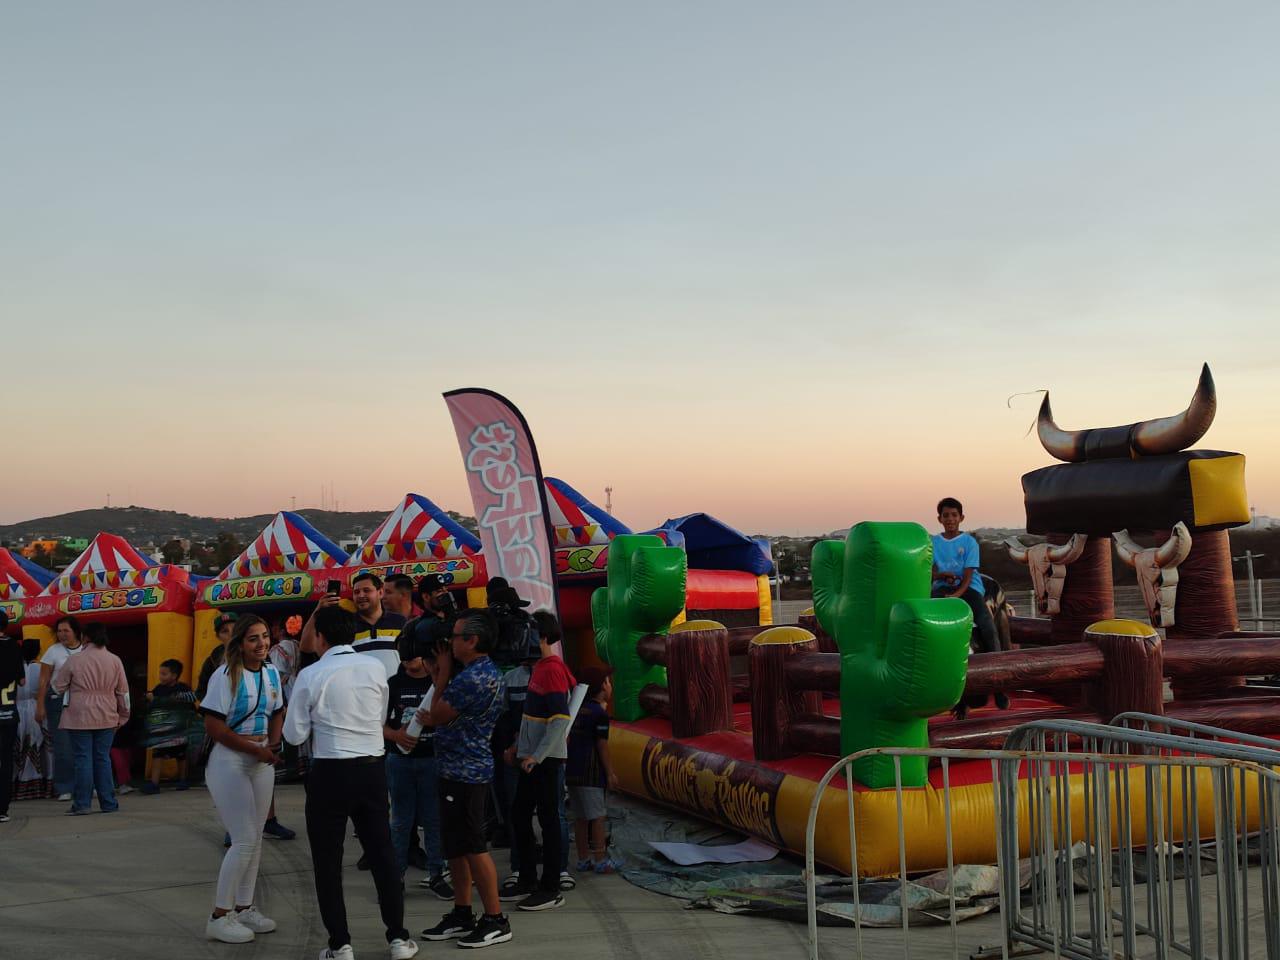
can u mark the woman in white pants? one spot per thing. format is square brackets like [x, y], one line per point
[243, 713]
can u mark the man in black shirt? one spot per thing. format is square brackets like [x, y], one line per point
[376, 628]
[411, 777]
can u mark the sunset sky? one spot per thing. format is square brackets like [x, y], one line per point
[782, 263]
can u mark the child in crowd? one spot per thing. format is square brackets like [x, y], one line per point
[169, 690]
[955, 570]
[589, 771]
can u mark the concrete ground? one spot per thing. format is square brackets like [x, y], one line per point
[138, 884]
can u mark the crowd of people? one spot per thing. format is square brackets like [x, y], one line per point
[433, 730]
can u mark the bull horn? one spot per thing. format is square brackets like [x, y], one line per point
[1171, 434]
[1070, 551]
[1067, 445]
[1175, 549]
[1126, 548]
[1017, 552]
[1148, 438]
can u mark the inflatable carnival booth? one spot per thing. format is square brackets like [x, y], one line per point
[20, 581]
[418, 538]
[285, 570]
[146, 607]
[900, 661]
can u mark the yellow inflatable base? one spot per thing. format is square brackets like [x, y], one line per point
[774, 806]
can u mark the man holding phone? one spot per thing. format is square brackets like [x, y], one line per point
[376, 629]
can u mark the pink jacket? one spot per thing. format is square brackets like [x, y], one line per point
[99, 692]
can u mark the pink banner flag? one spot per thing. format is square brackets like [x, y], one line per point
[507, 492]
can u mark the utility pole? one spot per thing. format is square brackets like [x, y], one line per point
[293, 503]
[608, 500]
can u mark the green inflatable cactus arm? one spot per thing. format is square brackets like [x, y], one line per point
[644, 594]
[902, 655]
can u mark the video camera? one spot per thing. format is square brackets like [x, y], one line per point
[427, 638]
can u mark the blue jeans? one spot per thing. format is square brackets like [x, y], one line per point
[92, 749]
[411, 781]
[64, 767]
[509, 789]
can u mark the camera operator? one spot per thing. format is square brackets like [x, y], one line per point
[516, 631]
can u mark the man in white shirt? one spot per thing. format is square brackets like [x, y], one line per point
[340, 703]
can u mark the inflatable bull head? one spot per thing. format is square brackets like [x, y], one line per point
[1048, 565]
[1157, 569]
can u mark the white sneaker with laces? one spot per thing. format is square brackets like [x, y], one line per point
[227, 929]
[342, 953]
[252, 918]
[403, 949]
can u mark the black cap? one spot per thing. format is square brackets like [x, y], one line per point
[431, 583]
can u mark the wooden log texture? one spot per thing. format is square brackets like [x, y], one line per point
[1087, 594]
[1031, 631]
[990, 730]
[1236, 656]
[655, 701]
[777, 702]
[1032, 669]
[814, 671]
[826, 642]
[1258, 716]
[699, 683]
[1133, 673]
[1205, 608]
[815, 734]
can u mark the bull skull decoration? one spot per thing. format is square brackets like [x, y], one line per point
[1157, 569]
[1048, 565]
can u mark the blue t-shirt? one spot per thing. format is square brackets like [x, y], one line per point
[462, 746]
[955, 556]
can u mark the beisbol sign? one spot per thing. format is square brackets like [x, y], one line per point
[127, 599]
[289, 586]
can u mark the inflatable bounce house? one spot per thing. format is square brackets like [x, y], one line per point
[285, 570]
[901, 660]
[727, 572]
[146, 607]
[20, 580]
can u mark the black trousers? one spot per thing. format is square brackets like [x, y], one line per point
[355, 790]
[8, 738]
[536, 791]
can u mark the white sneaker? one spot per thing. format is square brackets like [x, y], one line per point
[255, 921]
[403, 949]
[342, 953]
[64, 797]
[227, 929]
[122, 790]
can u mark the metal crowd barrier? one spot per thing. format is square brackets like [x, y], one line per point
[1110, 841]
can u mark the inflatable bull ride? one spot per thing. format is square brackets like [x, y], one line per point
[880, 664]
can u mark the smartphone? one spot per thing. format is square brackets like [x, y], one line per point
[335, 588]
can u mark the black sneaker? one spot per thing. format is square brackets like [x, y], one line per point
[513, 889]
[488, 931]
[438, 885]
[362, 863]
[458, 922]
[541, 900]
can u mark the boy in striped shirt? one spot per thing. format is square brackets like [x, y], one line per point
[540, 752]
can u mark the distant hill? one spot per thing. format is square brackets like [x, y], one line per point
[143, 526]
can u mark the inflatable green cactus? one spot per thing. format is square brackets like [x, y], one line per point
[645, 592]
[902, 655]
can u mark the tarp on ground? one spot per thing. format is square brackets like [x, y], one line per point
[776, 888]
[418, 538]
